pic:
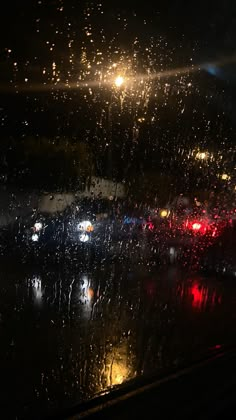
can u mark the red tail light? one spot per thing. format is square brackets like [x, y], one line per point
[196, 226]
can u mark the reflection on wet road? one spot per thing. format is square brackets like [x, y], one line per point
[69, 335]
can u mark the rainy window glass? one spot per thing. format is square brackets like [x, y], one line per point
[117, 192]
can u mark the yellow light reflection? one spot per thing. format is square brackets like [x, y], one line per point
[119, 366]
[119, 373]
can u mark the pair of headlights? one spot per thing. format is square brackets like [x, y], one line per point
[84, 228]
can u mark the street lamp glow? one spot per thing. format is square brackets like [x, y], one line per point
[119, 81]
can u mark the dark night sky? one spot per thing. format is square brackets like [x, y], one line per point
[207, 27]
[209, 22]
[42, 42]
[202, 30]
[197, 31]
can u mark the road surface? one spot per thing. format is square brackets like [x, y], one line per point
[69, 334]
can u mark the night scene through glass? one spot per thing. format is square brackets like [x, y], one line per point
[118, 195]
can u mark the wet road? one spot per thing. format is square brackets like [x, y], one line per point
[67, 335]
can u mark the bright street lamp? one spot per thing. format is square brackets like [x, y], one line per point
[119, 81]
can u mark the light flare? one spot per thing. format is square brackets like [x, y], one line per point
[119, 80]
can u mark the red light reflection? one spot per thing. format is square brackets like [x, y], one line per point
[199, 297]
[217, 346]
[150, 287]
[202, 296]
[150, 226]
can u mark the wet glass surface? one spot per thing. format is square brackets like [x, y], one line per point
[117, 194]
[67, 336]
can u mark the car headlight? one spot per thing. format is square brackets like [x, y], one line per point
[85, 226]
[35, 237]
[38, 226]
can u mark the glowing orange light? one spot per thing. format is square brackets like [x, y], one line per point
[90, 293]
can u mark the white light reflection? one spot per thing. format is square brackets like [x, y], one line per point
[86, 294]
[36, 283]
[84, 237]
[35, 237]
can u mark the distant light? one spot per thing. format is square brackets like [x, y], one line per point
[214, 233]
[211, 69]
[119, 81]
[225, 177]
[141, 119]
[35, 237]
[38, 226]
[85, 226]
[172, 251]
[149, 226]
[218, 346]
[164, 213]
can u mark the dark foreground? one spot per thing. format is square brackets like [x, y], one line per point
[68, 335]
[205, 390]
